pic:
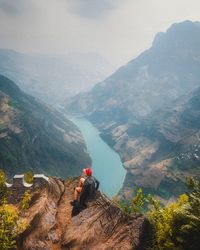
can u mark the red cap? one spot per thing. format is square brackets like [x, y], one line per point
[87, 171]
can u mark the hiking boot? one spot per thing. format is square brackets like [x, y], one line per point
[74, 203]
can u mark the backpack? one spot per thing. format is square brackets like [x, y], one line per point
[88, 191]
[89, 186]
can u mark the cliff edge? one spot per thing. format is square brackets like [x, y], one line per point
[101, 226]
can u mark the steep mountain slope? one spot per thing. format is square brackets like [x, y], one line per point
[101, 226]
[169, 69]
[35, 137]
[161, 150]
[50, 78]
[148, 113]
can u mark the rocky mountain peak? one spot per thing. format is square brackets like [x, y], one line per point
[185, 34]
[161, 74]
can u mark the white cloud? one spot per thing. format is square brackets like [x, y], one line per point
[94, 9]
[15, 7]
[116, 29]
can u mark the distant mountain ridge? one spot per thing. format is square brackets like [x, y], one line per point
[148, 111]
[53, 78]
[169, 69]
[34, 137]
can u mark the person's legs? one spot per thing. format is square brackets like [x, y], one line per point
[77, 191]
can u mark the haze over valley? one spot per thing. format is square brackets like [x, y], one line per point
[134, 77]
[54, 78]
[148, 111]
[99, 125]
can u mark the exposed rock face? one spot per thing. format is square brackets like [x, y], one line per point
[101, 226]
[160, 151]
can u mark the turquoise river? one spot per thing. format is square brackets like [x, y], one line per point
[106, 164]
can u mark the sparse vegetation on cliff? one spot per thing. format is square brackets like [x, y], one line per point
[28, 177]
[175, 226]
[12, 222]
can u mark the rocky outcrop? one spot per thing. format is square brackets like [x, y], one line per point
[102, 225]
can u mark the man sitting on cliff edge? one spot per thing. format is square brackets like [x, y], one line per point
[86, 188]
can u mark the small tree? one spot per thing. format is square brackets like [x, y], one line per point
[188, 222]
[177, 225]
[28, 176]
[136, 205]
[3, 188]
[11, 222]
[24, 203]
[162, 220]
[10, 226]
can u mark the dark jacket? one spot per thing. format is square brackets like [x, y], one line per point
[90, 186]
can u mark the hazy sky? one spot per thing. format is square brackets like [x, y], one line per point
[116, 29]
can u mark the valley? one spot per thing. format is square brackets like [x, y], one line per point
[53, 78]
[99, 125]
[148, 111]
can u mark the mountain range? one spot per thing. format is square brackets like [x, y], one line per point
[162, 150]
[149, 112]
[53, 78]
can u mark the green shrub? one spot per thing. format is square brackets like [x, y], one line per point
[3, 188]
[188, 222]
[13, 104]
[162, 220]
[11, 225]
[137, 205]
[28, 177]
[177, 225]
[12, 222]
[25, 201]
